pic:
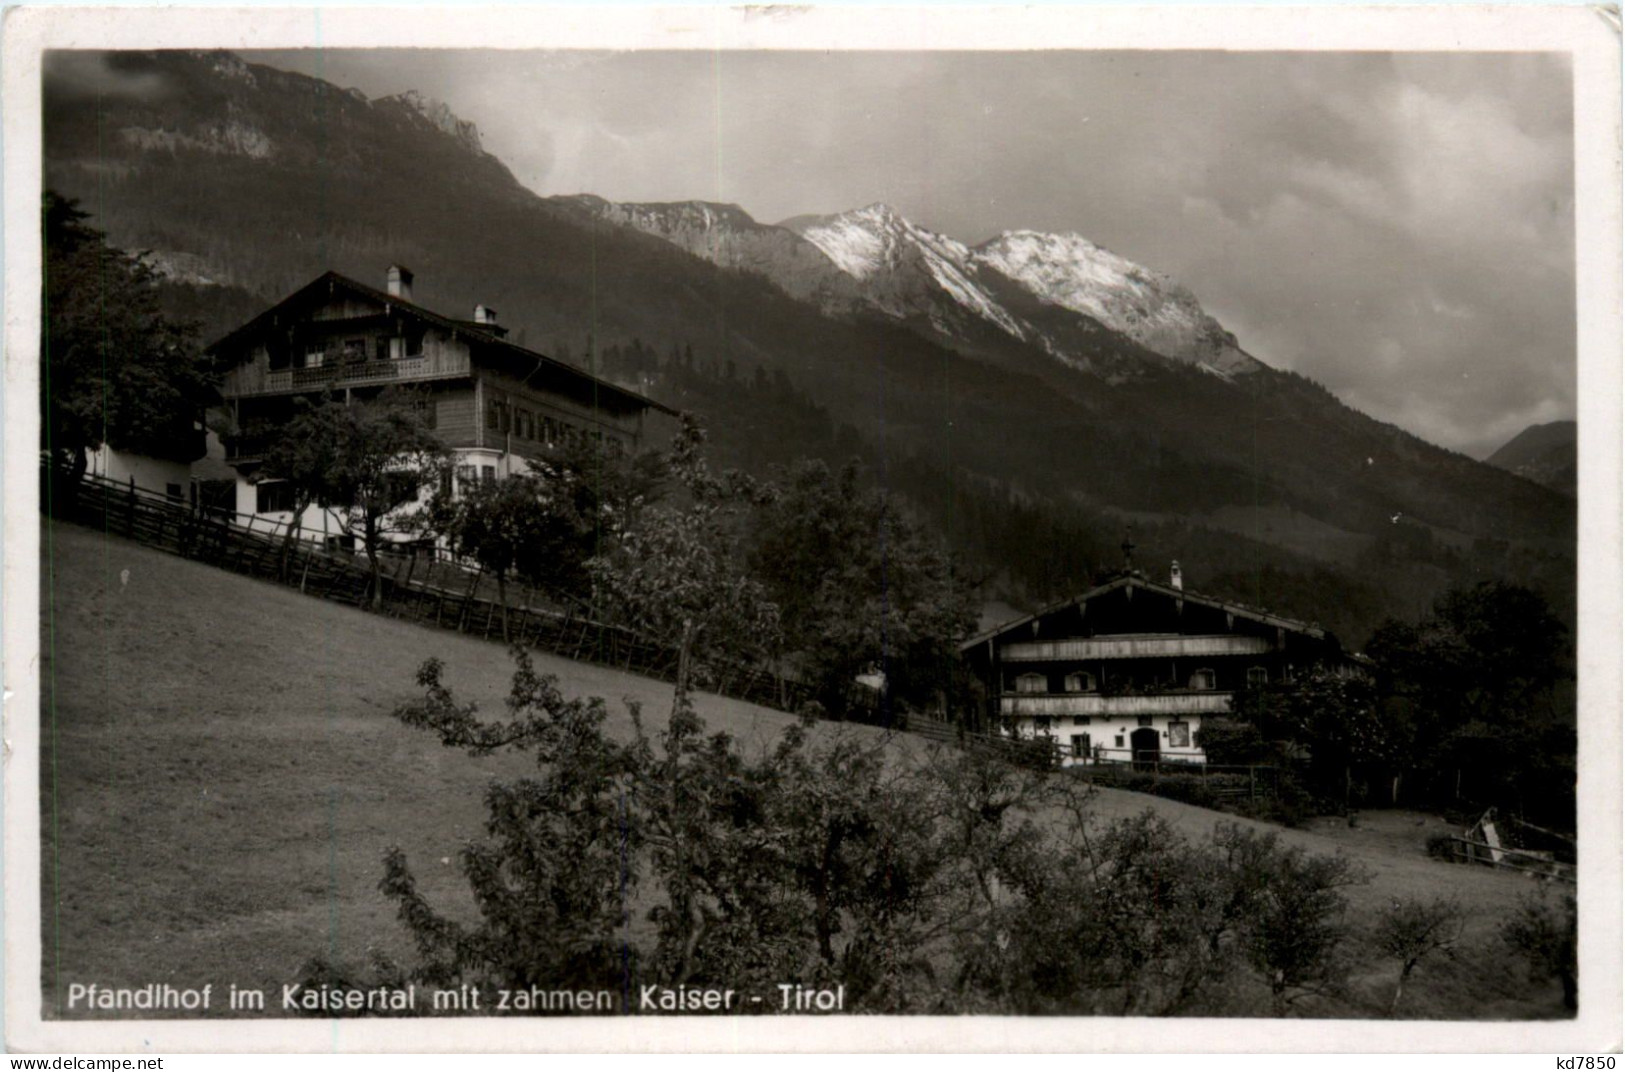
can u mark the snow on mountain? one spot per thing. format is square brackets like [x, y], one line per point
[1056, 292]
[1070, 271]
[899, 260]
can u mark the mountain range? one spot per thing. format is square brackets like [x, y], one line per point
[1056, 292]
[1033, 376]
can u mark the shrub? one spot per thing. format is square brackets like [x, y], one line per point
[1412, 929]
[1442, 847]
[1546, 937]
[1297, 925]
[920, 887]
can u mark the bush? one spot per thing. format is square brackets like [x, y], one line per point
[1229, 740]
[921, 888]
[1546, 936]
[1442, 847]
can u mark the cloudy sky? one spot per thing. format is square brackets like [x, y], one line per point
[1398, 227]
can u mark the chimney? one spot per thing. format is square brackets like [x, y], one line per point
[398, 281]
[1175, 578]
[484, 314]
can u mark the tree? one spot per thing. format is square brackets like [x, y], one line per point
[508, 525]
[555, 880]
[383, 458]
[115, 369]
[860, 585]
[1297, 926]
[1481, 674]
[677, 573]
[1335, 717]
[301, 453]
[1412, 930]
[927, 886]
[590, 493]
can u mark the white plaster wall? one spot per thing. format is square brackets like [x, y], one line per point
[151, 474]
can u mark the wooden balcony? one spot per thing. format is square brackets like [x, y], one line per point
[1191, 702]
[1133, 647]
[255, 379]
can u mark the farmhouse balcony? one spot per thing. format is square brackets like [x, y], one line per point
[1137, 647]
[1192, 702]
[257, 380]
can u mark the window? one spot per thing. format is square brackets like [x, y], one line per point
[1179, 735]
[414, 341]
[426, 411]
[381, 348]
[172, 492]
[273, 497]
[445, 483]
[1080, 720]
[1257, 675]
[355, 351]
[488, 474]
[465, 479]
[1202, 679]
[1041, 724]
[1119, 740]
[1031, 683]
[1080, 682]
[401, 486]
[491, 417]
[504, 418]
[1142, 720]
[315, 357]
[522, 425]
[1080, 745]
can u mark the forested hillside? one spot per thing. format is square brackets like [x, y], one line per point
[1265, 487]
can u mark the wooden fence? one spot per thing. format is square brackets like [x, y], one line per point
[1026, 752]
[433, 593]
[1224, 782]
[254, 548]
[1468, 851]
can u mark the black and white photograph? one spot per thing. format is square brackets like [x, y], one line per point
[786, 523]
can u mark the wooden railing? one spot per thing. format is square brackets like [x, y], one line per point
[1132, 648]
[1543, 865]
[253, 547]
[348, 374]
[1187, 702]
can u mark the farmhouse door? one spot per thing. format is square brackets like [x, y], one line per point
[1144, 743]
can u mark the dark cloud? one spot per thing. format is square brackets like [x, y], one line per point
[1399, 227]
[76, 75]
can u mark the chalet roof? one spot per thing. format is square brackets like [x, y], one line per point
[462, 328]
[1137, 581]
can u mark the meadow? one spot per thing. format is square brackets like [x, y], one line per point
[220, 777]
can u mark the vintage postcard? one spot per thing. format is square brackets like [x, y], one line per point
[799, 529]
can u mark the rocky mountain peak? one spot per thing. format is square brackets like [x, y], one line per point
[438, 115]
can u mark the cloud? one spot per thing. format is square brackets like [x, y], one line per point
[70, 75]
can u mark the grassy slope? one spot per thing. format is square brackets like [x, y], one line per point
[220, 776]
